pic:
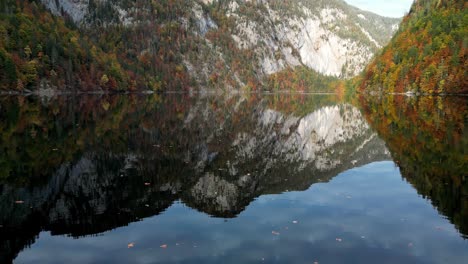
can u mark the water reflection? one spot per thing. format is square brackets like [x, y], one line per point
[86, 165]
[428, 139]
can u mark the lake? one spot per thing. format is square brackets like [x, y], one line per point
[239, 178]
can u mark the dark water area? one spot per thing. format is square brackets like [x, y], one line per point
[199, 178]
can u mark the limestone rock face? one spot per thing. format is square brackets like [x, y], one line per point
[77, 9]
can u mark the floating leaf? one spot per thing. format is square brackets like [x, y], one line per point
[295, 222]
[147, 184]
[19, 202]
[130, 245]
[275, 233]
[163, 246]
[339, 239]
[105, 105]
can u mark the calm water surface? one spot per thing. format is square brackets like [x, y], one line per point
[233, 179]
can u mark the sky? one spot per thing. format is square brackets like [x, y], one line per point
[389, 8]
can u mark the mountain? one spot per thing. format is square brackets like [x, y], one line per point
[178, 44]
[428, 54]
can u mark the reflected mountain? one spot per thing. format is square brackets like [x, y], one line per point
[81, 166]
[428, 139]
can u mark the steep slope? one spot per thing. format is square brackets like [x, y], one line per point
[39, 49]
[228, 43]
[427, 55]
[328, 36]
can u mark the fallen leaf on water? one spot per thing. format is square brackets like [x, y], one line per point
[295, 222]
[339, 239]
[130, 245]
[105, 105]
[147, 205]
[275, 233]
[19, 202]
[147, 184]
[163, 246]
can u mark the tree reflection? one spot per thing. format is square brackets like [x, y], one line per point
[428, 139]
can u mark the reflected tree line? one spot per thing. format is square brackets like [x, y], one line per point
[428, 139]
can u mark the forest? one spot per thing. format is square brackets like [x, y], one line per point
[428, 55]
[39, 49]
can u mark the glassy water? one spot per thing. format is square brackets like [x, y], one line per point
[181, 178]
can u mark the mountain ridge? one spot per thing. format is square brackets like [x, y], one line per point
[231, 44]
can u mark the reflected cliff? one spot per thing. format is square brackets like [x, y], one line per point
[428, 140]
[81, 166]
